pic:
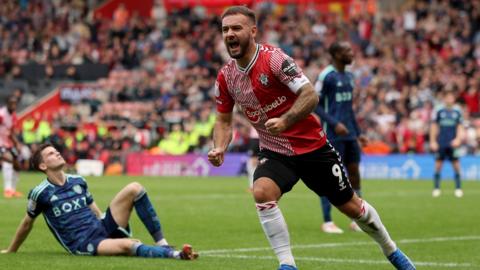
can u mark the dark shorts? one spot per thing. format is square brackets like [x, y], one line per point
[447, 153]
[321, 170]
[253, 147]
[110, 229]
[349, 151]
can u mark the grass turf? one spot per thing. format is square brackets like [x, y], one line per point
[217, 216]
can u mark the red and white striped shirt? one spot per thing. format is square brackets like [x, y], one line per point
[7, 121]
[265, 89]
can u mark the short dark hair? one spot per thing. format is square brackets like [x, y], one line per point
[335, 47]
[245, 11]
[37, 158]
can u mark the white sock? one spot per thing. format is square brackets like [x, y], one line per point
[7, 171]
[250, 172]
[369, 221]
[162, 242]
[276, 230]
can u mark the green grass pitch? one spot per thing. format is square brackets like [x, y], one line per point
[217, 216]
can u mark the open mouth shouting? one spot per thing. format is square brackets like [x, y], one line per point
[234, 48]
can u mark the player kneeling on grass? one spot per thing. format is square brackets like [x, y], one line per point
[77, 222]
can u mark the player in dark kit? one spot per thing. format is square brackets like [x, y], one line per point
[335, 88]
[278, 100]
[77, 222]
[446, 135]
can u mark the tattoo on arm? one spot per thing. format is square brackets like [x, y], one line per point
[306, 102]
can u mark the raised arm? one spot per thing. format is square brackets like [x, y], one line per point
[22, 232]
[305, 103]
[222, 135]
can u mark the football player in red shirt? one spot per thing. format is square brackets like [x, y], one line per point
[278, 100]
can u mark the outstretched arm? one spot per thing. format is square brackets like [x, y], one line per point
[306, 102]
[22, 232]
[222, 135]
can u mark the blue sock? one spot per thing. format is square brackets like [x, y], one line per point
[436, 180]
[142, 250]
[326, 208]
[148, 216]
[458, 184]
[359, 192]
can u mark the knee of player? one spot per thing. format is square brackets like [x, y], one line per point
[135, 188]
[261, 195]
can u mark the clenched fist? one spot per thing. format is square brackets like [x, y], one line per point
[215, 156]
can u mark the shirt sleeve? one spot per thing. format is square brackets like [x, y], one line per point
[287, 71]
[34, 206]
[321, 87]
[223, 99]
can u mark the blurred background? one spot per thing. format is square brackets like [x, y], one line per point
[128, 85]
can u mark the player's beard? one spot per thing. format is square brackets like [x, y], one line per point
[242, 49]
[347, 61]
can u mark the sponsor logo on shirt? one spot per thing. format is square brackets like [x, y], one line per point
[289, 67]
[254, 115]
[69, 206]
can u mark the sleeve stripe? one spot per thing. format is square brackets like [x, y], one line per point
[37, 190]
[325, 72]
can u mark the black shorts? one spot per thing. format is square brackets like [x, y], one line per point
[321, 170]
[110, 229]
[447, 153]
[253, 147]
[349, 150]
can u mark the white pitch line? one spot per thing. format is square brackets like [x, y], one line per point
[344, 261]
[349, 244]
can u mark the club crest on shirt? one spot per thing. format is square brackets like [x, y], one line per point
[77, 189]
[263, 79]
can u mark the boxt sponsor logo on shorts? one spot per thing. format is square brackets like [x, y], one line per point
[254, 115]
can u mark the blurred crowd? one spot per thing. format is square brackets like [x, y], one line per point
[159, 94]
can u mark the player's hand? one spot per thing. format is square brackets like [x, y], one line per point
[363, 140]
[341, 129]
[456, 143]
[434, 146]
[4, 251]
[276, 125]
[215, 156]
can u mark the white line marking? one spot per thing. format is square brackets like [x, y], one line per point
[342, 261]
[349, 244]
